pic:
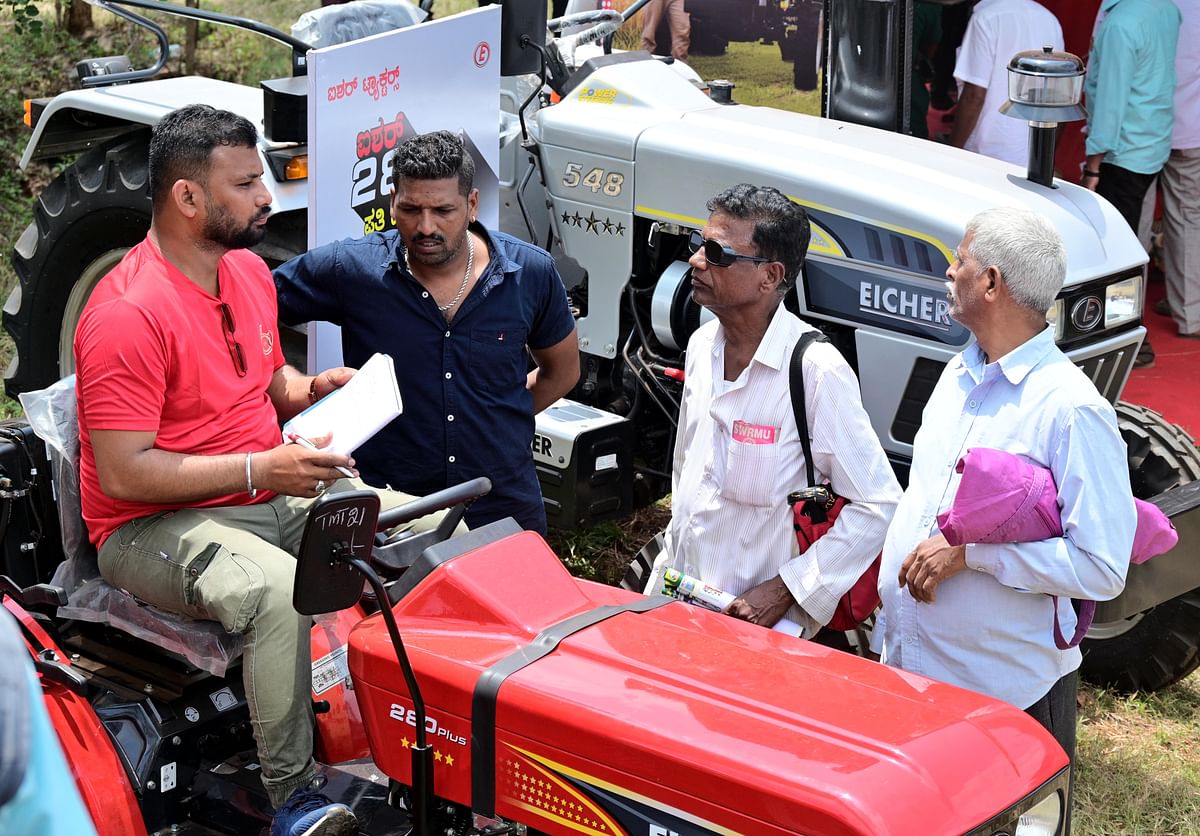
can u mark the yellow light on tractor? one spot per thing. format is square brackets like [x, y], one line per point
[288, 164]
[28, 118]
[296, 168]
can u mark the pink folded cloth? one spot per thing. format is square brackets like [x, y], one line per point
[1005, 499]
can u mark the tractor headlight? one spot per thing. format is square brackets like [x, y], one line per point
[1054, 316]
[1043, 818]
[1123, 301]
[1040, 813]
[1095, 309]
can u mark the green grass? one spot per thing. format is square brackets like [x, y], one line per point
[1138, 764]
[602, 552]
[761, 77]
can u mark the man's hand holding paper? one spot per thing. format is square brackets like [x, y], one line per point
[354, 410]
[300, 470]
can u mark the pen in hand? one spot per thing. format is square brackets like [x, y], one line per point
[308, 445]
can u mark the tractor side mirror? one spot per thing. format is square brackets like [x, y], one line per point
[522, 23]
[340, 527]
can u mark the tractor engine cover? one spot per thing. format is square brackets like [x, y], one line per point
[575, 707]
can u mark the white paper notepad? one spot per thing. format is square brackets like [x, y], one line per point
[355, 412]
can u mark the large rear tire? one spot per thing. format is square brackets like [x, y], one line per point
[805, 46]
[1157, 647]
[709, 36]
[83, 224]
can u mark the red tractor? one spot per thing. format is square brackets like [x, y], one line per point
[469, 706]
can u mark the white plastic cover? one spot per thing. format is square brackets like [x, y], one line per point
[332, 25]
[52, 414]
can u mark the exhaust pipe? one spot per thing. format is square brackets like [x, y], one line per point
[1044, 89]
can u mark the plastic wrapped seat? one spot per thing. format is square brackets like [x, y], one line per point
[332, 25]
[52, 414]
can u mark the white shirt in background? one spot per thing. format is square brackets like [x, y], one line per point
[1186, 133]
[997, 31]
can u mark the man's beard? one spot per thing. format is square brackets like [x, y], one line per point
[223, 229]
[434, 259]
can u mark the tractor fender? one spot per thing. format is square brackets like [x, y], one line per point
[78, 120]
[1168, 575]
[99, 774]
[1148, 637]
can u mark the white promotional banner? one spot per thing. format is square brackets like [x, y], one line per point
[368, 96]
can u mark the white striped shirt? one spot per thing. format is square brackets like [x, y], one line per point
[738, 455]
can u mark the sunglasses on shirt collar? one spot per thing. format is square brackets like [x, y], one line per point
[717, 254]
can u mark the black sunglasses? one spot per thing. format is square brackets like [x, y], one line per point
[236, 353]
[717, 254]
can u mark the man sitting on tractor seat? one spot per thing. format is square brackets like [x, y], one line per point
[193, 503]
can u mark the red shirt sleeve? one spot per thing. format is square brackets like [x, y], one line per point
[122, 368]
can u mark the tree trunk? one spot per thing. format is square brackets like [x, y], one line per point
[191, 30]
[79, 17]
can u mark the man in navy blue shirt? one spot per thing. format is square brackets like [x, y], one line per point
[455, 305]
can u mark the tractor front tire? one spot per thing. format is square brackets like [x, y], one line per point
[84, 223]
[1160, 646]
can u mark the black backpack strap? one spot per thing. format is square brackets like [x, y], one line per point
[796, 385]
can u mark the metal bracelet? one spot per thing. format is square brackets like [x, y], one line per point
[250, 489]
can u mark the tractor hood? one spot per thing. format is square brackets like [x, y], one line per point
[549, 700]
[900, 202]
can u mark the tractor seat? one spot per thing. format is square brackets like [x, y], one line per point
[339, 24]
[205, 644]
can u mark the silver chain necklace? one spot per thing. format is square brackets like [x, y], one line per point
[466, 276]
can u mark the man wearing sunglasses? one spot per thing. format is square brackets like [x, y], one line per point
[191, 500]
[738, 452]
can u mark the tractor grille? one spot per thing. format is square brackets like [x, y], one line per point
[924, 377]
[1108, 364]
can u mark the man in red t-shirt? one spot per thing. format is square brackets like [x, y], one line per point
[190, 498]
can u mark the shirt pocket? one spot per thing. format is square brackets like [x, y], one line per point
[497, 362]
[751, 471]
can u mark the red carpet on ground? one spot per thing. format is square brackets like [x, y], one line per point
[1172, 386]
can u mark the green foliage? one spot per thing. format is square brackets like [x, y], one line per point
[582, 551]
[24, 15]
[33, 63]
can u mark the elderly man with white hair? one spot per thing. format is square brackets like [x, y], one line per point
[981, 615]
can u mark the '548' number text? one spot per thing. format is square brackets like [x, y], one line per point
[597, 179]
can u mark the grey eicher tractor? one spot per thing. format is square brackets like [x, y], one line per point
[608, 161]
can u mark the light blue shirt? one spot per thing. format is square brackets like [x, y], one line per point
[47, 802]
[990, 628]
[1130, 84]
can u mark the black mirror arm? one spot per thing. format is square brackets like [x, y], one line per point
[422, 753]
